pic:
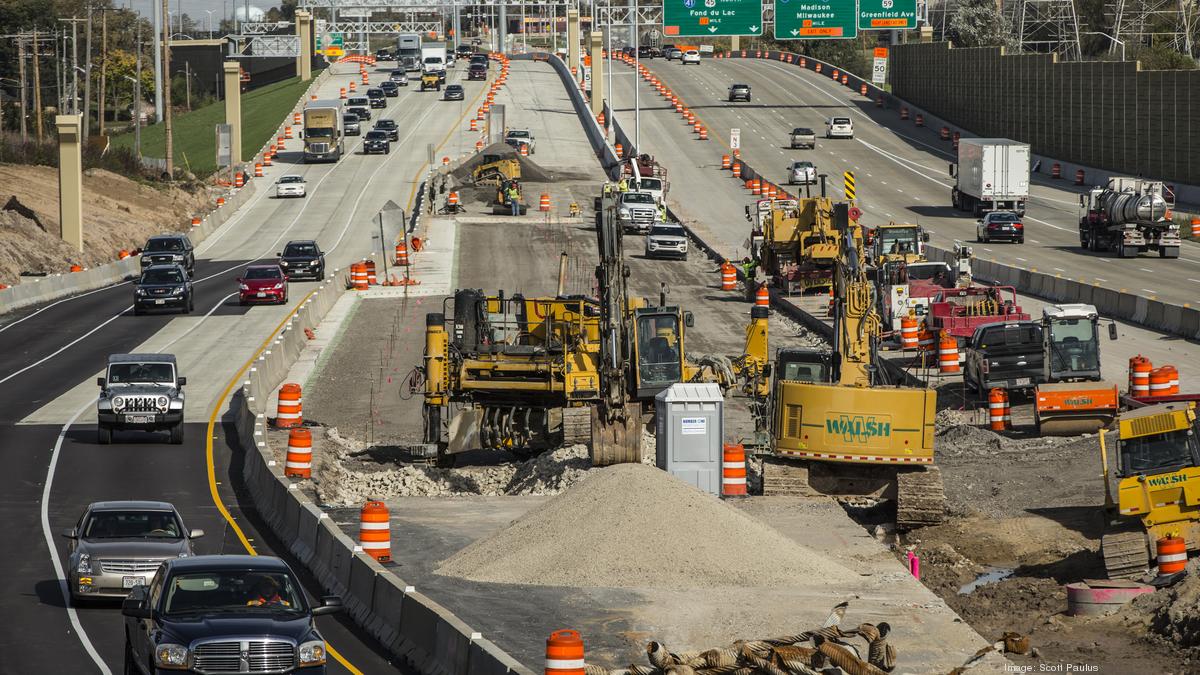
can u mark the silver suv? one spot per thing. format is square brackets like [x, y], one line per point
[116, 546]
[141, 392]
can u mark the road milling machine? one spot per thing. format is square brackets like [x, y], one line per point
[838, 427]
[1157, 479]
[794, 243]
[524, 374]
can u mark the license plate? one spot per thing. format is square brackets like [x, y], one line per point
[1022, 382]
[160, 302]
[130, 582]
[139, 419]
[262, 295]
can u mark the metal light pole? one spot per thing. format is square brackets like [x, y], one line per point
[137, 108]
[210, 13]
[158, 74]
[637, 91]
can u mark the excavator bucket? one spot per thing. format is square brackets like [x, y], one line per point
[1073, 408]
[618, 441]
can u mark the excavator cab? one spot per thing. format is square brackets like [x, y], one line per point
[658, 339]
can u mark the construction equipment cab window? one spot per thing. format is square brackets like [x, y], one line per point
[1074, 345]
[898, 239]
[659, 361]
[1159, 453]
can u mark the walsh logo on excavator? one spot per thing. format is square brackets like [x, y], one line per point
[1168, 480]
[857, 428]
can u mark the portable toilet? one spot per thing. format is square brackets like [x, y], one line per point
[690, 427]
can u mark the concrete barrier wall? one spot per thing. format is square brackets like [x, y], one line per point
[37, 290]
[409, 625]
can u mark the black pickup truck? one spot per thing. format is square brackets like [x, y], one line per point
[1005, 355]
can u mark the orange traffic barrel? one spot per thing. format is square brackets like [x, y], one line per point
[258, 170]
[295, 118]
[845, 79]
[353, 87]
[266, 159]
[762, 297]
[903, 112]
[733, 471]
[479, 114]
[770, 191]
[445, 161]
[926, 339]
[704, 133]
[1079, 176]
[372, 280]
[122, 254]
[1139, 375]
[999, 412]
[1172, 554]
[1196, 227]
[803, 62]
[920, 120]
[908, 332]
[299, 454]
[944, 133]
[76, 268]
[836, 72]
[862, 90]
[620, 150]
[287, 132]
[564, 653]
[474, 125]
[524, 149]
[818, 67]
[375, 531]
[948, 355]
[756, 187]
[728, 276]
[279, 142]
[401, 253]
[239, 179]
[478, 146]
[195, 221]
[1160, 382]
[220, 201]
[452, 198]
[737, 169]
[1056, 170]
[288, 412]
[1172, 380]
[342, 93]
[358, 276]
[726, 162]
[544, 202]
[600, 119]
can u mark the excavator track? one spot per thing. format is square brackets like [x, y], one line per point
[920, 498]
[1126, 554]
[782, 477]
[577, 426]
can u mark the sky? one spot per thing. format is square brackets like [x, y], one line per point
[195, 8]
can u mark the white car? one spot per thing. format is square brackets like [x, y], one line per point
[691, 56]
[291, 186]
[802, 172]
[839, 127]
[667, 240]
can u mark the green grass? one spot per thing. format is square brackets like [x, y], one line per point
[195, 132]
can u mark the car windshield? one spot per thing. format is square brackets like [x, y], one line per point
[321, 132]
[1003, 217]
[661, 231]
[292, 179]
[160, 245]
[132, 525]
[351, 118]
[638, 198]
[1157, 453]
[166, 275]
[454, 88]
[741, 86]
[433, 59]
[377, 135]
[385, 124]
[231, 591]
[375, 93]
[309, 250]
[263, 273]
[129, 373]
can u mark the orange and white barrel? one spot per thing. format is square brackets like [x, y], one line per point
[564, 653]
[372, 279]
[358, 276]
[258, 170]
[908, 333]
[726, 162]
[926, 339]
[733, 471]
[762, 297]
[544, 201]
[289, 409]
[1139, 375]
[999, 412]
[1160, 382]
[401, 253]
[299, 454]
[375, 531]
[948, 355]
[1172, 380]
[728, 276]
[737, 169]
[1172, 554]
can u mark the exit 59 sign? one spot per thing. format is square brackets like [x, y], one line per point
[695, 18]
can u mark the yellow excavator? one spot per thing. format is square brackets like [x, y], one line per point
[529, 374]
[1158, 485]
[837, 427]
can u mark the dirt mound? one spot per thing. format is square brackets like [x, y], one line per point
[531, 172]
[1171, 613]
[634, 526]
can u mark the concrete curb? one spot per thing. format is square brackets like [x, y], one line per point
[409, 625]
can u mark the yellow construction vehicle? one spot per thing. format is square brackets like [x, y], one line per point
[495, 169]
[527, 374]
[795, 244]
[897, 242]
[1158, 485]
[837, 427]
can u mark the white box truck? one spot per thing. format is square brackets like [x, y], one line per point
[433, 59]
[408, 52]
[323, 133]
[992, 174]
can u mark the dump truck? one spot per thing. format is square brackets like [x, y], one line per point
[324, 137]
[1157, 471]
[1129, 216]
[795, 244]
[1074, 398]
[992, 174]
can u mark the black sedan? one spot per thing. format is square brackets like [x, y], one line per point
[454, 92]
[376, 141]
[163, 287]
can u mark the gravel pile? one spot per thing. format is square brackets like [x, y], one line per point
[1171, 613]
[634, 526]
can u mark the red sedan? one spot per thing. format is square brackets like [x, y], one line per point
[263, 283]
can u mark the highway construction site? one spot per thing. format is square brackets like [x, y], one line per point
[518, 544]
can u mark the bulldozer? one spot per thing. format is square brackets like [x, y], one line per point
[1158, 485]
[836, 425]
[495, 169]
[1073, 398]
[506, 372]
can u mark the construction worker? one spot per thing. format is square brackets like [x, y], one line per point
[622, 185]
[662, 212]
[514, 199]
[750, 270]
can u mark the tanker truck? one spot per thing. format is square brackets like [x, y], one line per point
[1128, 216]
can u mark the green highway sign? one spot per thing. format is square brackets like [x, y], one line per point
[695, 18]
[887, 14]
[817, 19]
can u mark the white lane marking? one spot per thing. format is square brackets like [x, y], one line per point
[1146, 270]
[987, 249]
[1103, 281]
[72, 615]
[1022, 260]
[59, 302]
[66, 346]
[1034, 241]
[1150, 291]
[1195, 281]
[1059, 269]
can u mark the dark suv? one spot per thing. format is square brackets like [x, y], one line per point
[302, 258]
[164, 249]
[377, 98]
[739, 92]
[163, 287]
[224, 613]
[477, 71]
[389, 126]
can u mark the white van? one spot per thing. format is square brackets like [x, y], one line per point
[839, 127]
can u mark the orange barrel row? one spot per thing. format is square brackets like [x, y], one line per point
[288, 412]
[1164, 381]
[359, 279]
[999, 411]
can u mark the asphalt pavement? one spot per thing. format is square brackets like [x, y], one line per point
[51, 359]
[901, 171]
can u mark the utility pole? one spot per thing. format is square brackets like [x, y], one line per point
[137, 95]
[158, 52]
[166, 72]
[103, 68]
[87, 80]
[74, 65]
[187, 82]
[37, 84]
[24, 94]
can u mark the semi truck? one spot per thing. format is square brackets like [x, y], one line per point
[408, 51]
[992, 174]
[323, 133]
[1129, 216]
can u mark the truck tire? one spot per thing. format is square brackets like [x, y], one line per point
[177, 434]
[104, 435]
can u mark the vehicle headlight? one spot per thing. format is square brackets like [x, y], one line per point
[312, 653]
[283, 263]
[141, 291]
[177, 291]
[279, 285]
[171, 656]
[623, 212]
[243, 287]
[84, 565]
[314, 263]
[163, 401]
[118, 402]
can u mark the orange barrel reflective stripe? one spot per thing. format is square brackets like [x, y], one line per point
[239, 179]
[564, 653]
[375, 531]
[342, 93]
[372, 280]
[620, 150]
[452, 198]
[926, 339]
[288, 412]
[1079, 176]
[195, 221]
[266, 159]
[1139, 375]
[726, 162]
[908, 332]
[737, 169]
[756, 187]
[728, 276]
[1172, 554]
[295, 118]
[903, 112]
[544, 202]
[478, 146]
[258, 171]
[944, 134]
[299, 454]
[1173, 380]
[474, 125]
[999, 414]
[733, 471]
[220, 201]
[524, 149]
[703, 133]
[948, 355]
[1196, 226]
[358, 276]
[845, 79]
[1160, 382]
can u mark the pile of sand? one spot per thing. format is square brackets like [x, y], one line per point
[634, 526]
